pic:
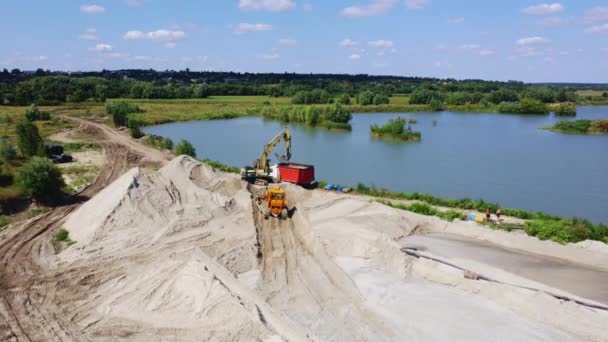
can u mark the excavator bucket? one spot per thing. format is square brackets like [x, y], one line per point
[282, 158]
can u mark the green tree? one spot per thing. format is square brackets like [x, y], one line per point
[134, 124]
[41, 180]
[7, 151]
[381, 99]
[365, 98]
[120, 111]
[436, 105]
[33, 113]
[605, 94]
[166, 144]
[184, 147]
[29, 140]
[344, 99]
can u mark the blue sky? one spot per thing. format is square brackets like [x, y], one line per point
[499, 40]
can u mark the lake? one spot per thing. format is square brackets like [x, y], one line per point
[498, 157]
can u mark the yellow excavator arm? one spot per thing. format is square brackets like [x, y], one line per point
[262, 163]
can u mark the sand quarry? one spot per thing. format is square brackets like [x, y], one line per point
[183, 254]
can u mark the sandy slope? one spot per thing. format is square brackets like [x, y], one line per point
[182, 254]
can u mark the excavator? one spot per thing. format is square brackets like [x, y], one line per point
[260, 173]
[274, 200]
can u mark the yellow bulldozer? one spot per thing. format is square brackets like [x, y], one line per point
[275, 203]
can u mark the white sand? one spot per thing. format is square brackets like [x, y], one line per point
[174, 256]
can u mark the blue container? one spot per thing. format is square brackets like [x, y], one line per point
[329, 187]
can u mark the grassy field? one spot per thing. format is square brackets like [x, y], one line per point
[591, 92]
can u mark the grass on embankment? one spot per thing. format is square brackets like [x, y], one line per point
[580, 127]
[541, 225]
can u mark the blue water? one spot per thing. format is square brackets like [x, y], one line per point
[498, 157]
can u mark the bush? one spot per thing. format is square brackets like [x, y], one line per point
[574, 127]
[315, 96]
[166, 144]
[34, 114]
[395, 128]
[605, 94]
[424, 96]
[184, 147]
[344, 99]
[525, 106]
[40, 179]
[7, 151]
[222, 167]
[381, 99]
[134, 124]
[436, 105]
[331, 116]
[29, 140]
[566, 230]
[565, 110]
[365, 98]
[62, 235]
[120, 111]
[599, 126]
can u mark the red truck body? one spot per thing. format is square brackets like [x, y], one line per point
[297, 173]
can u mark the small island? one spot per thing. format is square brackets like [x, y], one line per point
[580, 127]
[396, 129]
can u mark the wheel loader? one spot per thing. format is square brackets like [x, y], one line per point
[275, 203]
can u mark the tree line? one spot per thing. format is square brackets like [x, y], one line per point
[51, 88]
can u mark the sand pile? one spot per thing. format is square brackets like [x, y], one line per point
[182, 254]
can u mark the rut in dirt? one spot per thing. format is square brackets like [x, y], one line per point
[307, 286]
[30, 309]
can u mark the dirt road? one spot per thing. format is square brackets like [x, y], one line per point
[581, 280]
[27, 288]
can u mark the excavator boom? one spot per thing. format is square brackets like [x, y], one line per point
[261, 167]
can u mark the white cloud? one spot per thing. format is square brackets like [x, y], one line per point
[456, 21]
[266, 5]
[246, 28]
[486, 52]
[470, 46]
[543, 9]
[530, 52]
[134, 3]
[155, 35]
[287, 41]
[554, 21]
[92, 9]
[348, 42]
[596, 14]
[373, 8]
[355, 56]
[37, 58]
[102, 48]
[564, 53]
[597, 28]
[381, 43]
[307, 7]
[531, 40]
[89, 34]
[416, 4]
[170, 45]
[270, 56]
[143, 58]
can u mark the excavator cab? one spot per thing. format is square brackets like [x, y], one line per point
[276, 203]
